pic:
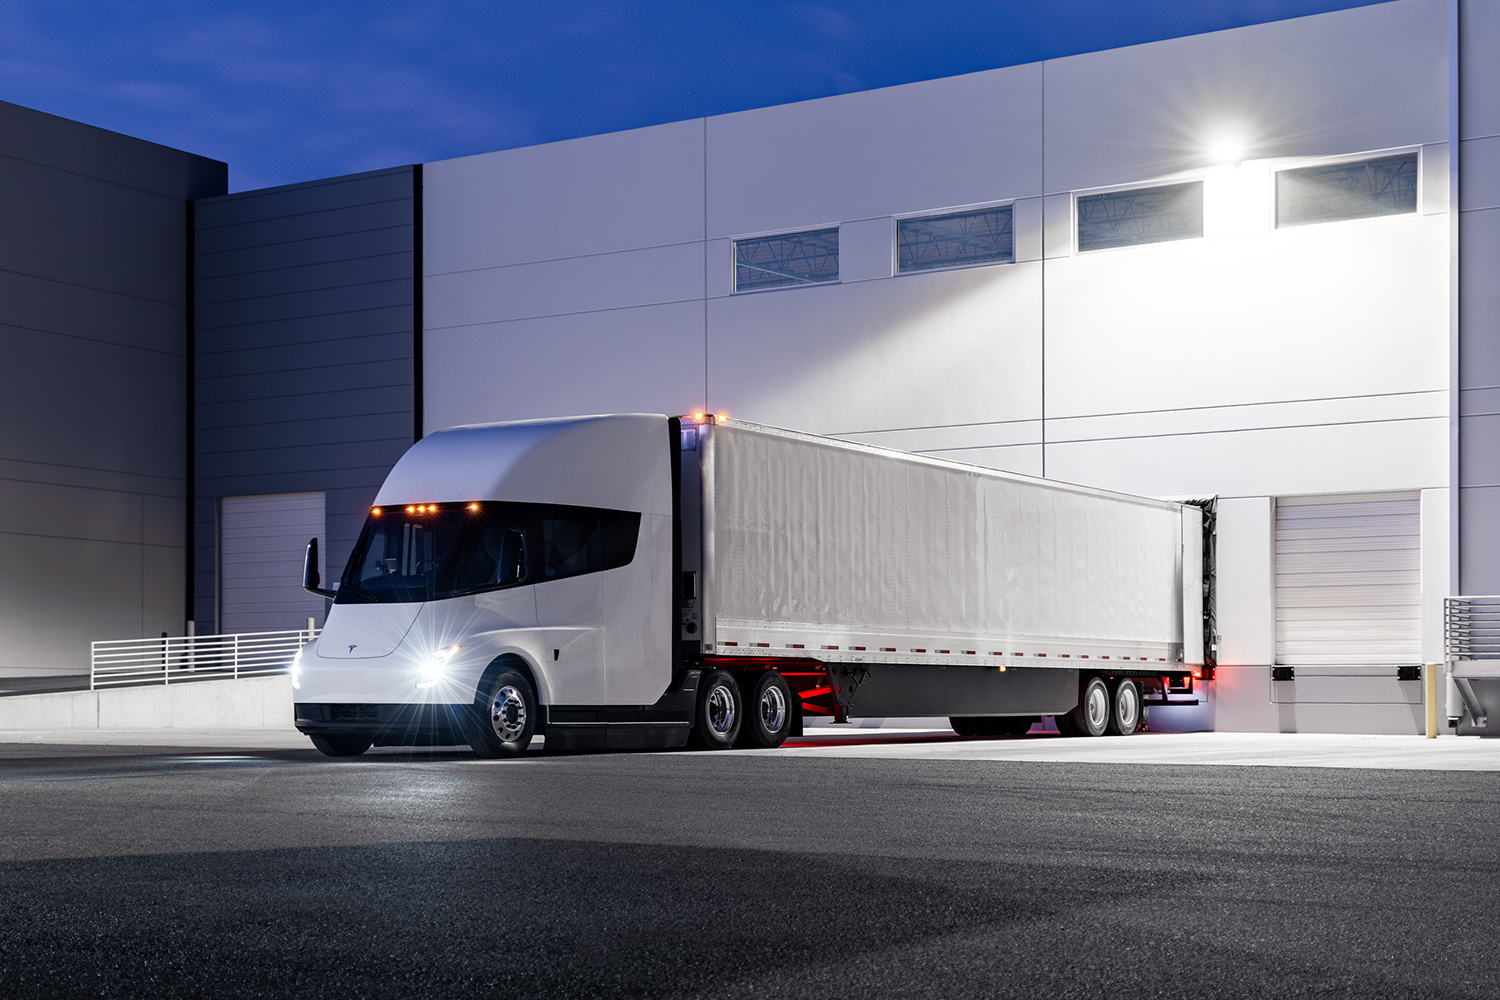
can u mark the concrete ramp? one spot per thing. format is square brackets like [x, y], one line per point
[248, 703]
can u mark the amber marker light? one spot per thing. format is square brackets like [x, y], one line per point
[411, 510]
[723, 416]
[473, 506]
[698, 417]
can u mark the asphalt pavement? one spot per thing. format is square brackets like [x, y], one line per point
[211, 871]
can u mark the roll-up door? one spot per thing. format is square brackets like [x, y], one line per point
[262, 541]
[1348, 579]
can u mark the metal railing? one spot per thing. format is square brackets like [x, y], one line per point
[178, 658]
[1471, 628]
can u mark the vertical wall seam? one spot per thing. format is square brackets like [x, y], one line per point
[1455, 492]
[190, 367]
[1043, 311]
[417, 305]
[706, 406]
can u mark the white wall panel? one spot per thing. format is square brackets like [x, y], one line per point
[645, 360]
[914, 148]
[1435, 555]
[1352, 457]
[606, 192]
[949, 347]
[1246, 587]
[866, 249]
[577, 284]
[1316, 311]
[1352, 80]
[1026, 223]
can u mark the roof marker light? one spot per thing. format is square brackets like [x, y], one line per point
[375, 511]
[411, 510]
[473, 506]
[698, 417]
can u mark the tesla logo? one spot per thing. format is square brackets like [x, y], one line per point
[352, 645]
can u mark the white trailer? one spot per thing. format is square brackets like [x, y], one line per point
[643, 581]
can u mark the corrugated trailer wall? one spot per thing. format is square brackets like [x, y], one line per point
[827, 543]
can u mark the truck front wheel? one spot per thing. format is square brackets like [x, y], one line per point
[718, 720]
[341, 744]
[505, 717]
[768, 711]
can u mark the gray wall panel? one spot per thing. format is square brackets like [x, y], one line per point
[1479, 298]
[308, 198]
[59, 208]
[47, 305]
[1479, 166]
[354, 297]
[322, 250]
[317, 354]
[93, 460]
[272, 232]
[391, 400]
[75, 148]
[230, 289]
[1479, 80]
[305, 361]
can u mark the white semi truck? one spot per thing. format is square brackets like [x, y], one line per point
[638, 580]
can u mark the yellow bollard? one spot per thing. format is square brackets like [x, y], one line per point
[1429, 695]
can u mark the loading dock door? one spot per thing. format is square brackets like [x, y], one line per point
[262, 541]
[1349, 579]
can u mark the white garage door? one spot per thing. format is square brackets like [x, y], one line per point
[1349, 579]
[262, 541]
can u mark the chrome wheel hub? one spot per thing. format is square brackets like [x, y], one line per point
[1097, 707]
[720, 711]
[508, 714]
[772, 709]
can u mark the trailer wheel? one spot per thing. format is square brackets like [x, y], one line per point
[341, 744]
[1125, 716]
[717, 724]
[768, 711]
[1091, 717]
[963, 725]
[505, 717]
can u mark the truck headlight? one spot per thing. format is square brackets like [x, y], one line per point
[435, 666]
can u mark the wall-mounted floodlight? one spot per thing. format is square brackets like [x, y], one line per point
[1226, 149]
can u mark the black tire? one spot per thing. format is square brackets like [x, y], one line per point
[341, 744]
[505, 716]
[720, 712]
[1011, 725]
[964, 725]
[1065, 725]
[1125, 708]
[768, 711]
[1091, 717]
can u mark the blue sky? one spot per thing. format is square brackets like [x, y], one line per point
[289, 91]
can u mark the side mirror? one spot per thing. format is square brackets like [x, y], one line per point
[310, 578]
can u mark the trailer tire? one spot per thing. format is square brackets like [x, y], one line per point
[768, 711]
[504, 717]
[1125, 708]
[341, 744]
[1094, 711]
[716, 725]
[1010, 725]
[963, 725]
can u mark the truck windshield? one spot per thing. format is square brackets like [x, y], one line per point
[428, 552]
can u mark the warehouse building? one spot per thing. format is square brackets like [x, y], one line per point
[1254, 264]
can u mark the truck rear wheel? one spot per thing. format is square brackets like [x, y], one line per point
[1091, 717]
[768, 711]
[717, 724]
[1125, 711]
[341, 744]
[505, 717]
